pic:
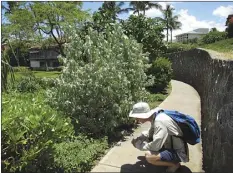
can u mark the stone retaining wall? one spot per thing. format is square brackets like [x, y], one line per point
[213, 80]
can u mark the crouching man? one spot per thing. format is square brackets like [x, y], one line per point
[161, 146]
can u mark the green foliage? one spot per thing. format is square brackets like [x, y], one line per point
[192, 41]
[148, 32]
[143, 6]
[6, 69]
[156, 97]
[225, 46]
[28, 84]
[29, 130]
[229, 30]
[103, 76]
[36, 19]
[177, 47]
[162, 72]
[169, 20]
[213, 36]
[46, 83]
[21, 69]
[78, 155]
[110, 10]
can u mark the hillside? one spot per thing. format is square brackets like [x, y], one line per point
[223, 46]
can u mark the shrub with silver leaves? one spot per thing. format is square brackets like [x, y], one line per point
[103, 77]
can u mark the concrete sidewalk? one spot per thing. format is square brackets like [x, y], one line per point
[125, 158]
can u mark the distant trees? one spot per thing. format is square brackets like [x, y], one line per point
[31, 20]
[229, 24]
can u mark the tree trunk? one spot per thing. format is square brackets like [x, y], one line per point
[167, 30]
[171, 35]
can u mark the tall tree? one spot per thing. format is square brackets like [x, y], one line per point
[169, 20]
[146, 31]
[112, 9]
[143, 6]
[9, 6]
[174, 24]
[213, 30]
[47, 18]
[229, 24]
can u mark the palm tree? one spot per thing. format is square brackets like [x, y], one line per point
[138, 6]
[169, 20]
[113, 8]
[213, 30]
[174, 23]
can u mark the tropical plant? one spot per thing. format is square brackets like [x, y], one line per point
[178, 47]
[6, 68]
[148, 32]
[78, 155]
[106, 14]
[37, 19]
[110, 9]
[213, 36]
[213, 30]
[9, 6]
[103, 76]
[169, 20]
[229, 24]
[162, 71]
[174, 24]
[138, 6]
[30, 128]
[19, 53]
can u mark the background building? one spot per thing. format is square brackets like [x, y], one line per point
[197, 33]
[43, 58]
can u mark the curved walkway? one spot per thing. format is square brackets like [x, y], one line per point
[125, 158]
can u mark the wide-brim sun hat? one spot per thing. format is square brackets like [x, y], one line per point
[142, 110]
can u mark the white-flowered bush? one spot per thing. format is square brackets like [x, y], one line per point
[103, 77]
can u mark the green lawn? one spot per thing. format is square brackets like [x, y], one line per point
[40, 74]
[50, 74]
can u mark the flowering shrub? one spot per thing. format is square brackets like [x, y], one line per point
[103, 76]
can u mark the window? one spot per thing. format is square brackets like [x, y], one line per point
[55, 64]
[42, 64]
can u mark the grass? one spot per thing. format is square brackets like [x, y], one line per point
[40, 74]
[221, 46]
[49, 74]
[225, 47]
[156, 99]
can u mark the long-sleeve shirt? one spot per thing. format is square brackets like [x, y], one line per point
[163, 129]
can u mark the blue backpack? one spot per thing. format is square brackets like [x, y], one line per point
[187, 124]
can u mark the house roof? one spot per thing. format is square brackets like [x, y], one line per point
[191, 32]
[199, 31]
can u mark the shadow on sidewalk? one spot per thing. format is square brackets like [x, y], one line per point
[143, 166]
